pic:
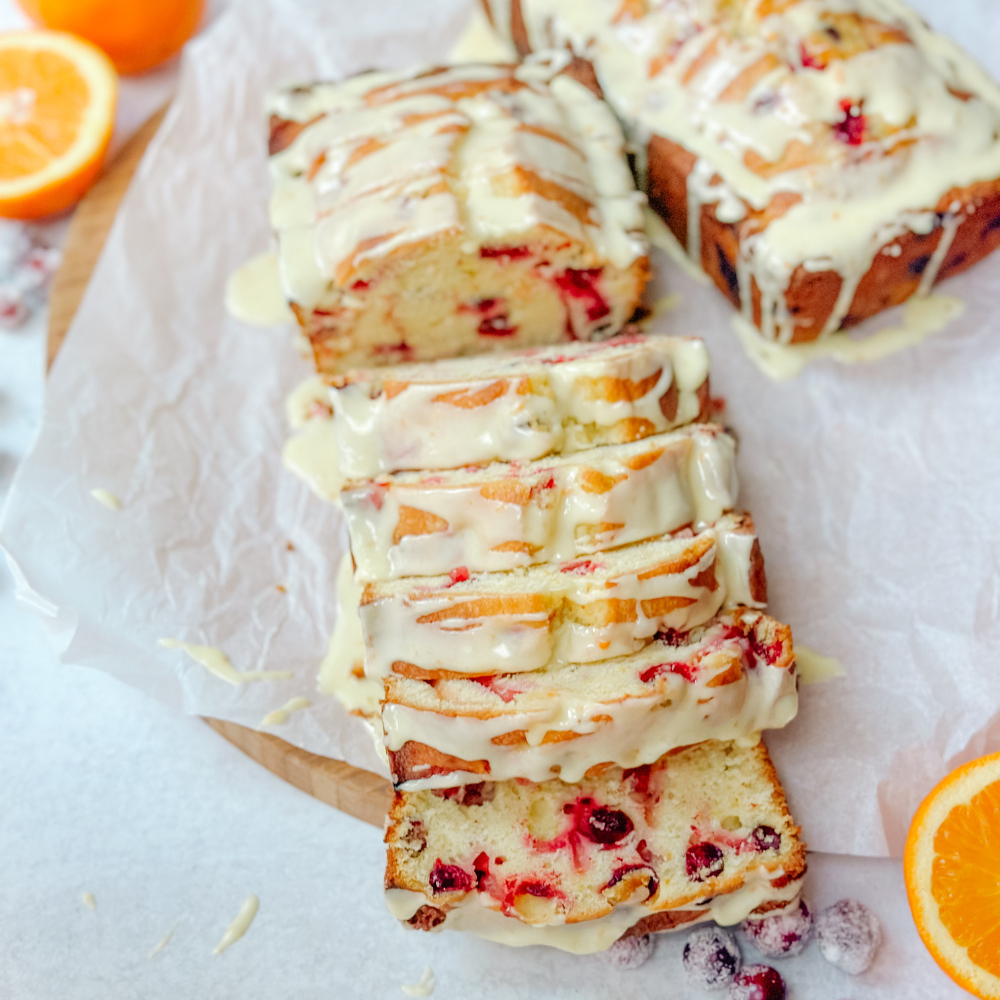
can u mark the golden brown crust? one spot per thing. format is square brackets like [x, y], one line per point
[666, 920]
[811, 295]
[417, 760]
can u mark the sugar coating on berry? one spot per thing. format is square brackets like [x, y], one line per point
[629, 953]
[782, 934]
[757, 982]
[712, 957]
[849, 935]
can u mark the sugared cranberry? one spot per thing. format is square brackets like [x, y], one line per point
[703, 861]
[849, 935]
[629, 953]
[781, 935]
[765, 838]
[449, 878]
[711, 958]
[757, 982]
[851, 128]
[606, 826]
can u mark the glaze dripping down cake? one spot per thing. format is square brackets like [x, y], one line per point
[452, 211]
[704, 833]
[821, 161]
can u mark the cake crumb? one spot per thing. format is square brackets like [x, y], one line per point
[89, 901]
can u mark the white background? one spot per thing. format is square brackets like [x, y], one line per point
[104, 790]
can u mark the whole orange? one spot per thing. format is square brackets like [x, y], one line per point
[135, 34]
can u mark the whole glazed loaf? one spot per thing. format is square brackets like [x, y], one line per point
[725, 680]
[506, 516]
[820, 160]
[452, 211]
[579, 611]
[519, 406]
[704, 833]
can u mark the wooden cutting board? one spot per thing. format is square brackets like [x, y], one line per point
[360, 793]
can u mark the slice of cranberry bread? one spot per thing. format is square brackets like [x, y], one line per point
[452, 211]
[519, 406]
[704, 833]
[820, 161]
[725, 680]
[579, 611]
[506, 516]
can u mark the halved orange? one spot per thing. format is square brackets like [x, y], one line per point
[57, 112]
[136, 34]
[952, 870]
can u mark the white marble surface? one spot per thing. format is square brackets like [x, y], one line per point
[106, 791]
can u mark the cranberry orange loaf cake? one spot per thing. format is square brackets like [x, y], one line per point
[704, 833]
[579, 611]
[517, 407]
[452, 211]
[506, 516]
[821, 161]
[725, 680]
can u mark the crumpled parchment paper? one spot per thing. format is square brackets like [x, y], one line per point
[875, 488]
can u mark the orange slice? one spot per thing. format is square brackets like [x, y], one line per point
[57, 110]
[952, 869]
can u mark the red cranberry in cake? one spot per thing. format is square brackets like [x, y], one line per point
[387, 258]
[782, 934]
[757, 982]
[600, 824]
[849, 935]
[765, 838]
[629, 953]
[449, 878]
[711, 958]
[851, 129]
[703, 861]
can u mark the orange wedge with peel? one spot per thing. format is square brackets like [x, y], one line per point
[57, 112]
[952, 870]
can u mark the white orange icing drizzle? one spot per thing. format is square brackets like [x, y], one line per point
[386, 160]
[560, 508]
[628, 711]
[855, 110]
[589, 936]
[577, 612]
[517, 407]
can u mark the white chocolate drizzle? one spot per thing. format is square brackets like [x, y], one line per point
[162, 943]
[516, 407]
[280, 715]
[560, 508]
[589, 936]
[240, 925]
[577, 612]
[610, 715]
[921, 318]
[423, 988]
[850, 121]
[254, 294]
[814, 668]
[387, 160]
[106, 498]
[217, 663]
